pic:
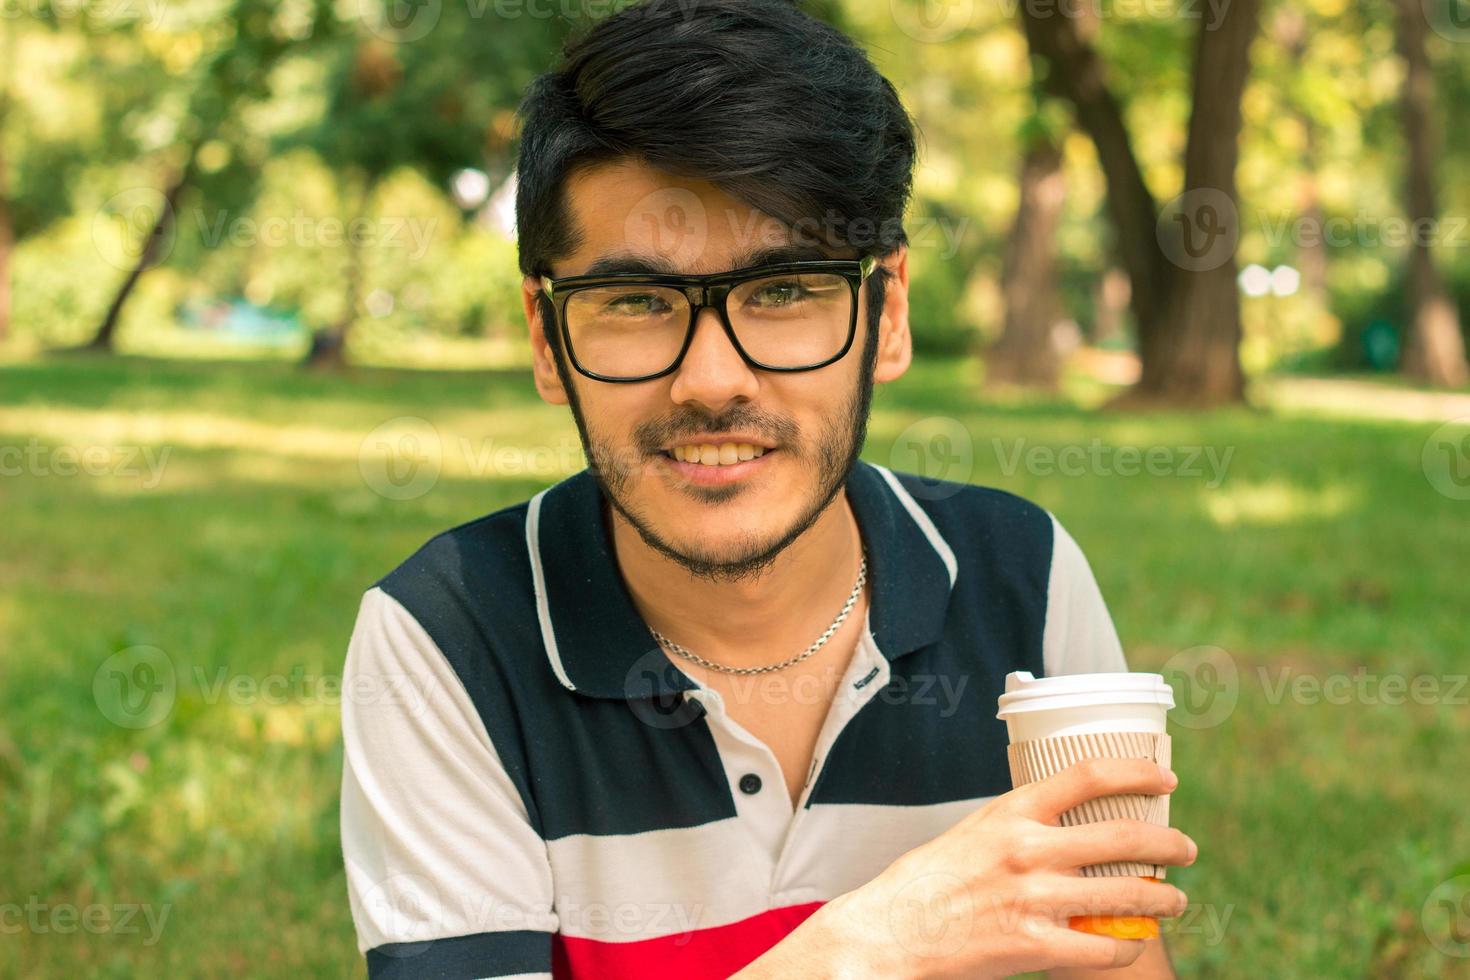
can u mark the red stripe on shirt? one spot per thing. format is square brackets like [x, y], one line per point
[703, 953]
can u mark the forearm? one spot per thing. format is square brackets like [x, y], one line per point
[829, 945]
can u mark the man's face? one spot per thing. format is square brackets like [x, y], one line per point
[719, 522]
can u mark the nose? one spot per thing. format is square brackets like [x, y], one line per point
[712, 372]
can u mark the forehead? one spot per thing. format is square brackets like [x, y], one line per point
[626, 209]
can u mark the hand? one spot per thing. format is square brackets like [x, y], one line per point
[991, 896]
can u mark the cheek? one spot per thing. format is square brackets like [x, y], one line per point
[613, 417]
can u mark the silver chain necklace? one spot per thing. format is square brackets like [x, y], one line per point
[688, 654]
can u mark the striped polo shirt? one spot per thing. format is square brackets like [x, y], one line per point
[531, 788]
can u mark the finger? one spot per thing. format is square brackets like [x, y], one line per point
[1089, 779]
[1066, 896]
[1120, 840]
[1087, 951]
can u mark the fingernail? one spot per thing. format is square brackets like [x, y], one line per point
[1170, 780]
[1193, 850]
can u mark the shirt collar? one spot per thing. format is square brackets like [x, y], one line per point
[597, 643]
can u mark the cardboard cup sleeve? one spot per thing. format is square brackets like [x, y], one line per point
[1044, 757]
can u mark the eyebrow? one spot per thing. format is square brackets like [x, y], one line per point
[620, 262]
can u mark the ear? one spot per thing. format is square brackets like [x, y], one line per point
[895, 344]
[543, 361]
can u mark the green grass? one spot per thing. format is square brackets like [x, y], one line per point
[1324, 551]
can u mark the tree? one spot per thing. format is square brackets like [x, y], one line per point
[34, 171]
[375, 75]
[1434, 349]
[1026, 352]
[237, 71]
[1290, 31]
[1180, 264]
[434, 93]
[7, 226]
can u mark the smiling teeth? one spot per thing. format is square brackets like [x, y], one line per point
[725, 454]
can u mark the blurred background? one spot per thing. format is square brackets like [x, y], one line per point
[1193, 274]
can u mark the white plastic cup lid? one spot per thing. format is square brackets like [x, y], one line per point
[1027, 693]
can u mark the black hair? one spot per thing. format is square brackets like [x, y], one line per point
[774, 107]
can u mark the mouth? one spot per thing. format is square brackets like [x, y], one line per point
[728, 462]
[716, 454]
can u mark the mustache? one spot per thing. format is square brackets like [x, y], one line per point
[651, 437]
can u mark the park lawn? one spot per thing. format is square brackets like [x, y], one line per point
[1319, 551]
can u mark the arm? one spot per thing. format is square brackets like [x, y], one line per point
[991, 896]
[422, 788]
[1079, 637]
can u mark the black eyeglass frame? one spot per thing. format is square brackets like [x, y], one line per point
[711, 291]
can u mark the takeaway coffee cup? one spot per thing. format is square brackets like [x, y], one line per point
[1053, 722]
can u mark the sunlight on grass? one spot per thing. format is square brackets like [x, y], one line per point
[178, 429]
[1360, 398]
[134, 449]
[412, 351]
[297, 725]
[1276, 502]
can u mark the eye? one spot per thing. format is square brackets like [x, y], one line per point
[636, 304]
[777, 293]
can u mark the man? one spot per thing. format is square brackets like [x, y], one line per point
[723, 703]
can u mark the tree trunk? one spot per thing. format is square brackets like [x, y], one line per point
[1311, 254]
[1109, 303]
[1075, 72]
[148, 255]
[1026, 353]
[1289, 30]
[7, 226]
[1434, 349]
[7, 246]
[1187, 310]
[328, 351]
[1193, 354]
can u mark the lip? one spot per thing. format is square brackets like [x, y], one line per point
[710, 440]
[714, 476]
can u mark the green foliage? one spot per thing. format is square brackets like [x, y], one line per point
[433, 94]
[119, 97]
[937, 309]
[1361, 309]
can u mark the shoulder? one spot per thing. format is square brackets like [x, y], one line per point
[461, 610]
[1019, 566]
[979, 523]
[470, 588]
[475, 554]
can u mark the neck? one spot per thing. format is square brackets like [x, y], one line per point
[757, 620]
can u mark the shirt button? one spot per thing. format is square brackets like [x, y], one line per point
[750, 784]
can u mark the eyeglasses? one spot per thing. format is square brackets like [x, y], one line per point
[632, 326]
